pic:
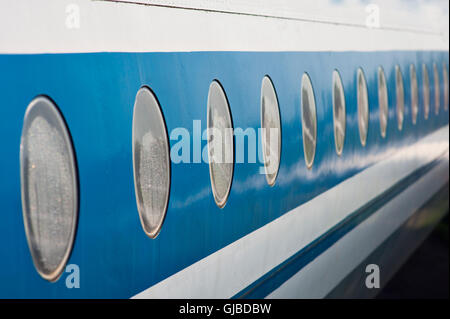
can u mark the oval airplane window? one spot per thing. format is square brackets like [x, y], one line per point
[151, 161]
[363, 106]
[309, 120]
[382, 101]
[400, 95]
[437, 90]
[271, 133]
[220, 143]
[426, 91]
[49, 187]
[338, 112]
[414, 93]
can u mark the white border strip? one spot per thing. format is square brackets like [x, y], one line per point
[70, 26]
[319, 277]
[236, 266]
[420, 16]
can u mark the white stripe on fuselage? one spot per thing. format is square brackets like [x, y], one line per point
[67, 26]
[319, 277]
[234, 267]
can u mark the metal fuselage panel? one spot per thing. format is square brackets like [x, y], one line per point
[95, 92]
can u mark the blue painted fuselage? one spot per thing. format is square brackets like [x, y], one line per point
[95, 92]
